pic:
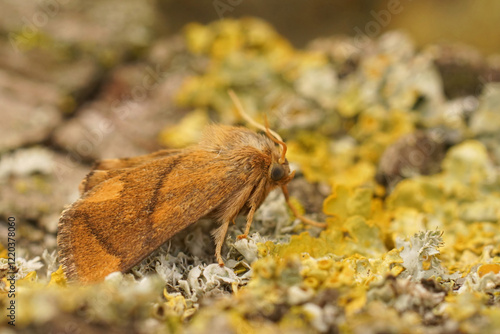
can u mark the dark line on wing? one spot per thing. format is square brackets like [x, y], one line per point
[148, 223]
[77, 216]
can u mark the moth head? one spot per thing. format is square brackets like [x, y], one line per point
[279, 171]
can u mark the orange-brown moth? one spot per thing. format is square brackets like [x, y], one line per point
[130, 207]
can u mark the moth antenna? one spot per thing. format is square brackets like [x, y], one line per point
[276, 140]
[270, 133]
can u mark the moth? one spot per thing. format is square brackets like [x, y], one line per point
[130, 207]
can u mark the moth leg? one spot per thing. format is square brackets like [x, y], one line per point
[249, 222]
[219, 236]
[296, 212]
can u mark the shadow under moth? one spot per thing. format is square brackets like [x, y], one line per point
[130, 207]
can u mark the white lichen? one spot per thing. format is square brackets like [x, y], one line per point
[423, 247]
[21, 267]
[27, 161]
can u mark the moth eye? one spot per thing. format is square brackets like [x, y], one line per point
[277, 172]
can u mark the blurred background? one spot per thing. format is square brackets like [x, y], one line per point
[427, 21]
[86, 80]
